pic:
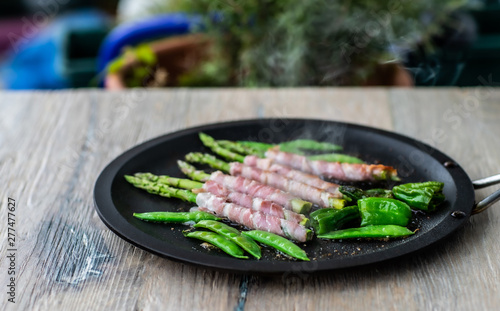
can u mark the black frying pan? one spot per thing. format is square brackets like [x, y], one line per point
[116, 200]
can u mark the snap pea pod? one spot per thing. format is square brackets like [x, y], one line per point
[380, 231]
[424, 196]
[232, 234]
[218, 240]
[383, 211]
[328, 219]
[176, 217]
[277, 242]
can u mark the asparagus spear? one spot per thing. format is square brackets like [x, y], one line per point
[234, 151]
[241, 148]
[171, 181]
[297, 205]
[335, 157]
[250, 217]
[296, 146]
[238, 198]
[260, 147]
[205, 158]
[209, 142]
[191, 172]
[161, 189]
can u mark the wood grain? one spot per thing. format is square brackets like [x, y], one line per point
[54, 145]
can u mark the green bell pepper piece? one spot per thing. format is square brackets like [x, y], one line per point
[424, 196]
[383, 211]
[328, 219]
[356, 194]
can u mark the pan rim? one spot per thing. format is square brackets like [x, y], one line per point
[114, 220]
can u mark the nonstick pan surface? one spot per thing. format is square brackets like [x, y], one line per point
[116, 200]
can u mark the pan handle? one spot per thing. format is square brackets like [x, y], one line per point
[489, 200]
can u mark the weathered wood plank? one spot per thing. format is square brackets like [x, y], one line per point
[58, 142]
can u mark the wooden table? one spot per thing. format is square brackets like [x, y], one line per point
[55, 144]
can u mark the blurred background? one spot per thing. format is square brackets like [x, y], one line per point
[116, 44]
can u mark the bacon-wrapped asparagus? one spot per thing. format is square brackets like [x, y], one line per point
[245, 200]
[352, 171]
[250, 187]
[288, 172]
[302, 190]
[206, 201]
[266, 164]
[256, 204]
[335, 170]
[252, 219]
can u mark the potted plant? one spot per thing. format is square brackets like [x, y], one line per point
[267, 43]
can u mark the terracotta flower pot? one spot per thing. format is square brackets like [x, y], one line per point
[175, 57]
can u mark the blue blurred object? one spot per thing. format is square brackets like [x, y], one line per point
[133, 33]
[60, 55]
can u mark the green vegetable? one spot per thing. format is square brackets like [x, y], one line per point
[277, 242]
[297, 145]
[383, 211]
[356, 194]
[209, 142]
[218, 240]
[238, 147]
[424, 196]
[335, 157]
[231, 234]
[299, 206]
[161, 189]
[381, 231]
[205, 158]
[191, 172]
[328, 219]
[261, 147]
[176, 217]
[170, 181]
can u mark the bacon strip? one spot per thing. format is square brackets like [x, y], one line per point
[304, 191]
[259, 190]
[250, 218]
[288, 172]
[335, 170]
[257, 204]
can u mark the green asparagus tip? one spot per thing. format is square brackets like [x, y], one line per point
[195, 157]
[206, 139]
[131, 179]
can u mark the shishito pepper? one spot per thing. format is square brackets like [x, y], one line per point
[381, 231]
[425, 196]
[328, 219]
[356, 194]
[383, 211]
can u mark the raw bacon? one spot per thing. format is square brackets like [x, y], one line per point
[250, 218]
[304, 191]
[259, 190]
[258, 204]
[289, 172]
